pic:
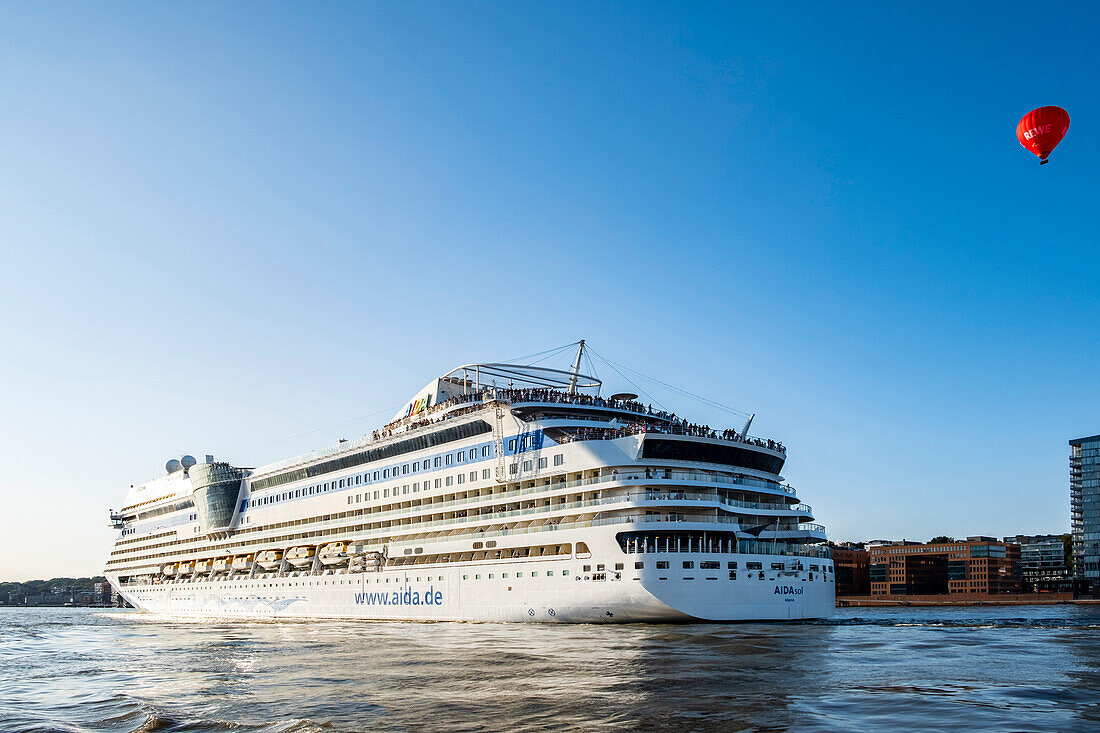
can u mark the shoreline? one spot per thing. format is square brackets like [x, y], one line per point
[1048, 599]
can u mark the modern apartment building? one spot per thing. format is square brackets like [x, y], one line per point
[1044, 563]
[1084, 491]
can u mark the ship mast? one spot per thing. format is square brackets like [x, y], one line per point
[576, 368]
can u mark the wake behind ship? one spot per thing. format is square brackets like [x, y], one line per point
[537, 501]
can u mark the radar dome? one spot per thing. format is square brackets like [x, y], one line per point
[172, 466]
[188, 461]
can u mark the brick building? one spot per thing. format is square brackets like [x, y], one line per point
[976, 566]
[851, 571]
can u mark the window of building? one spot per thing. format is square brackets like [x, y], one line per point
[689, 564]
[484, 473]
[542, 463]
[484, 451]
[559, 459]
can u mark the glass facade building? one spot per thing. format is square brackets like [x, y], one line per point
[1084, 488]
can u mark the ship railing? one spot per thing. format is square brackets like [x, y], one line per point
[757, 547]
[533, 513]
[667, 544]
[493, 498]
[536, 510]
[614, 433]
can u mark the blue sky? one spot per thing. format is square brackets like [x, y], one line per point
[251, 229]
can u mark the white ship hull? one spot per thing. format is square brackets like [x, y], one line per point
[452, 594]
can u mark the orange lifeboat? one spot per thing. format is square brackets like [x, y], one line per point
[269, 559]
[301, 556]
[334, 553]
[242, 563]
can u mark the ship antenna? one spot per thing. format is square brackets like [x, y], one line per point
[576, 368]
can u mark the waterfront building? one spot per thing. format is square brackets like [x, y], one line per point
[977, 566]
[852, 568]
[1044, 563]
[501, 492]
[1084, 489]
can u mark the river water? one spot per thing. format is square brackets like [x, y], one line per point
[1013, 668]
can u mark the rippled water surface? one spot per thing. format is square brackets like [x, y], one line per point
[1016, 668]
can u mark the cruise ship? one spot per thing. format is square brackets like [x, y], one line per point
[499, 492]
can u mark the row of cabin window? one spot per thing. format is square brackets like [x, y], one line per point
[334, 485]
[533, 574]
[383, 474]
[401, 490]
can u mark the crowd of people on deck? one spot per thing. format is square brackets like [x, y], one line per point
[672, 423]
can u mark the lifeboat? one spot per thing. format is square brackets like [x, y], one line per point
[301, 556]
[202, 567]
[169, 570]
[334, 553]
[222, 564]
[270, 559]
[184, 568]
[242, 563]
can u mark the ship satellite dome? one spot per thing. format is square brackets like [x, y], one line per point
[172, 466]
[188, 461]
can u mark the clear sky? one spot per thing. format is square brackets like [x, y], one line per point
[250, 229]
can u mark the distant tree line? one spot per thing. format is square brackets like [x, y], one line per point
[36, 587]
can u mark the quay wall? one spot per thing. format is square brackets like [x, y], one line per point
[1000, 599]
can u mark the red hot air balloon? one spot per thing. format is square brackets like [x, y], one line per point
[1042, 129]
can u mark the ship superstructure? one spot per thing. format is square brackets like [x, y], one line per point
[500, 492]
